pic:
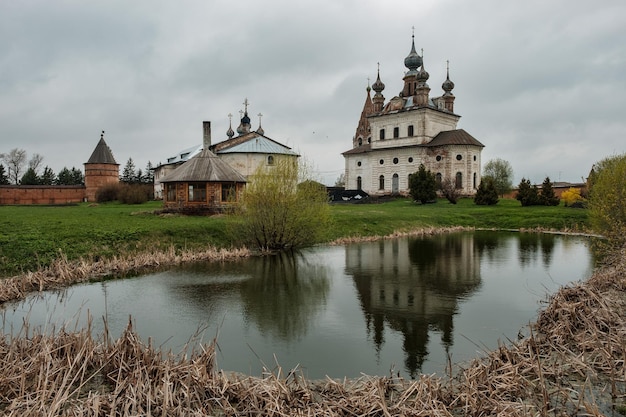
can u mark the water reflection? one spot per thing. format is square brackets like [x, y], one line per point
[279, 294]
[285, 295]
[414, 288]
[402, 304]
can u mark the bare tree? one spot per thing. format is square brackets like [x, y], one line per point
[15, 161]
[450, 190]
[35, 162]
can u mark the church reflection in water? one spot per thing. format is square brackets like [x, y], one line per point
[414, 287]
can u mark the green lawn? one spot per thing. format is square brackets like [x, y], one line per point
[32, 236]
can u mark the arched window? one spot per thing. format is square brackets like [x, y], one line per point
[359, 183]
[438, 179]
[459, 180]
[270, 160]
[475, 180]
[360, 141]
[395, 184]
[381, 182]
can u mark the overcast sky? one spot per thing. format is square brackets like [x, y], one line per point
[542, 84]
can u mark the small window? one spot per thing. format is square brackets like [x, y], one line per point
[381, 182]
[474, 157]
[459, 181]
[359, 183]
[171, 192]
[270, 160]
[474, 180]
[382, 161]
[360, 141]
[382, 134]
[395, 160]
[410, 131]
[438, 179]
[197, 191]
[438, 158]
[396, 132]
[410, 159]
[358, 164]
[459, 157]
[229, 192]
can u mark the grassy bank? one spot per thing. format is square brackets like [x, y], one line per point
[33, 237]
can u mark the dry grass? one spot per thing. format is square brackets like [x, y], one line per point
[420, 232]
[573, 363]
[62, 273]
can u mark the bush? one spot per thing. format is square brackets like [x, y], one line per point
[423, 186]
[607, 205]
[487, 194]
[572, 198]
[450, 191]
[125, 193]
[108, 192]
[548, 197]
[527, 194]
[282, 209]
[135, 193]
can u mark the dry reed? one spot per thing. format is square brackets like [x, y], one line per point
[421, 232]
[572, 363]
[62, 272]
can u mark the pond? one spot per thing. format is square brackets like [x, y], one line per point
[404, 305]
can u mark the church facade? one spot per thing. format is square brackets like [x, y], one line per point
[393, 138]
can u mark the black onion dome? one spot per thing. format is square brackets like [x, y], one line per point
[422, 75]
[413, 61]
[378, 85]
[447, 84]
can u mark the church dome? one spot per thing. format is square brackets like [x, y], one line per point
[378, 85]
[422, 74]
[447, 84]
[413, 61]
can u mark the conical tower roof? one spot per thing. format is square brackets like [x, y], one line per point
[204, 167]
[102, 154]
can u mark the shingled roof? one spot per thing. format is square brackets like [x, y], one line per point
[102, 154]
[454, 137]
[204, 167]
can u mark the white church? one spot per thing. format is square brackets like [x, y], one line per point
[392, 139]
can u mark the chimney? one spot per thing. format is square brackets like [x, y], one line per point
[206, 138]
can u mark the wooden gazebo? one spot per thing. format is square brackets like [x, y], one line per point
[204, 183]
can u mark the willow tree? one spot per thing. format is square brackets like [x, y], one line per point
[607, 196]
[282, 208]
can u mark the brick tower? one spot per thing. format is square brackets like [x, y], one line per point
[100, 169]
